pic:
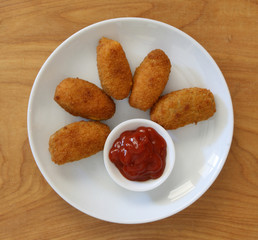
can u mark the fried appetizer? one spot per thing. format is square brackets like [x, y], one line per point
[183, 107]
[84, 99]
[77, 140]
[149, 80]
[114, 70]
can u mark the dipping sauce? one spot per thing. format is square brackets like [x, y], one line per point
[140, 154]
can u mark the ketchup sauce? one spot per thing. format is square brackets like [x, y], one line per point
[140, 154]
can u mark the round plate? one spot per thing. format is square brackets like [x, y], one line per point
[201, 150]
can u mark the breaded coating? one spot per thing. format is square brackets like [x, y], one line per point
[150, 79]
[77, 140]
[84, 99]
[114, 70]
[183, 107]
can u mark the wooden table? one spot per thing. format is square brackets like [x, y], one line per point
[30, 30]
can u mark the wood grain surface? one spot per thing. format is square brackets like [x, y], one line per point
[31, 29]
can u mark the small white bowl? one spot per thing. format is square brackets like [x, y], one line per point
[115, 174]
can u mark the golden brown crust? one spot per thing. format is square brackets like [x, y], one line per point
[84, 99]
[150, 79]
[183, 107]
[77, 140]
[113, 68]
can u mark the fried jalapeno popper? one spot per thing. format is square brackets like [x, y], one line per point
[113, 68]
[183, 107]
[84, 99]
[77, 140]
[149, 80]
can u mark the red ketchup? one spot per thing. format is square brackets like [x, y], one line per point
[140, 154]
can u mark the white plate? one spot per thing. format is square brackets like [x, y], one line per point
[201, 149]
